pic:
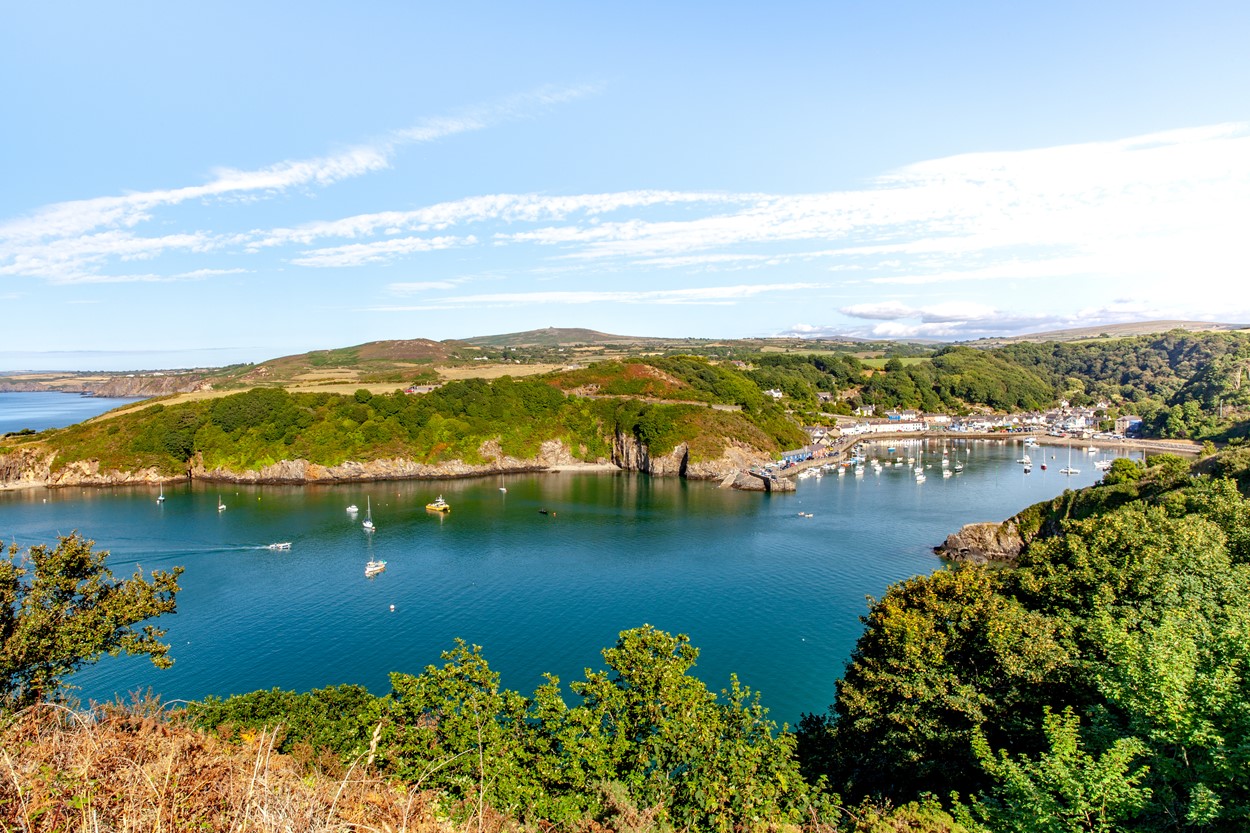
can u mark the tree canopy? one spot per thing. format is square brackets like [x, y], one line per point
[61, 608]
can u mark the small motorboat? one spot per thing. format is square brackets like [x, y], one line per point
[373, 567]
[438, 505]
[279, 545]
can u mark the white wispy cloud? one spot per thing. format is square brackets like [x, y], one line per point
[498, 208]
[1145, 210]
[415, 287]
[712, 295]
[356, 254]
[68, 221]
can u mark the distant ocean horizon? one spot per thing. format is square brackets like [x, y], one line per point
[40, 410]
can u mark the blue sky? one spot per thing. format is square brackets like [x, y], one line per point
[230, 182]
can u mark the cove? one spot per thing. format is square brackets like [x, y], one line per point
[762, 590]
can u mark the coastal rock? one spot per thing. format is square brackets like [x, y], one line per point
[746, 482]
[735, 458]
[983, 542]
[28, 468]
[25, 468]
[631, 455]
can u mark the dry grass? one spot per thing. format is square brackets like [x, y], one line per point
[129, 769]
[494, 371]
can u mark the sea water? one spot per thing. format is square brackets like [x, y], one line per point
[45, 409]
[768, 587]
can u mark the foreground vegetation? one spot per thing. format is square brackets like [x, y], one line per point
[1101, 683]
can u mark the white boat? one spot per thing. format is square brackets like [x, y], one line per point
[1069, 469]
[280, 545]
[161, 497]
[503, 488]
[221, 507]
[373, 567]
[1093, 449]
[353, 509]
[368, 522]
[1102, 465]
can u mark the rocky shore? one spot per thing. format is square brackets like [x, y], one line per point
[981, 543]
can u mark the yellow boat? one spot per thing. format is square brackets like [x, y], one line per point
[439, 505]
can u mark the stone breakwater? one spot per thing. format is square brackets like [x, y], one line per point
[34, 467]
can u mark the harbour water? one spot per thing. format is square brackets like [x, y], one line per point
[768, 587]
[40, 410]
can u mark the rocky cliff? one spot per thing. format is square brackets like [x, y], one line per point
[136, 384]
[984, 542]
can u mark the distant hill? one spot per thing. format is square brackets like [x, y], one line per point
[395, 360]
[1137, 328]
[554, 337]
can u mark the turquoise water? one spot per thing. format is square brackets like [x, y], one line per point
[51, 410]
[764, 592]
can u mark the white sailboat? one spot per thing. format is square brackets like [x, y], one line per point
[1069, 469]
[368, 522]
[161, 497]
[221, 507]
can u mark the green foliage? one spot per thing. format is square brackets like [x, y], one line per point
[648, 742]
[940, 656]
[61, 609]
[1064, 789]
[337, 718]
[954, 378]
[1128, 606]
[1123, 470]
[645, 727]
[459, 420]
[1179, 382]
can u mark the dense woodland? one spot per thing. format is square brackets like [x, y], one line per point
[454, 422]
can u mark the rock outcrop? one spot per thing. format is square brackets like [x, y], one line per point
[983, 542]
[745, 481]
[631, 455]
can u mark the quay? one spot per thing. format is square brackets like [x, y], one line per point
[782, 479]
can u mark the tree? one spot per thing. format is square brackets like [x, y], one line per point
[61, 609]
[1122, 470]
[1066, 789]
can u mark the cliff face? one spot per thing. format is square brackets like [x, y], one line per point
[137, 385]
[28, 468]
[983, 542]
[631, 455]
